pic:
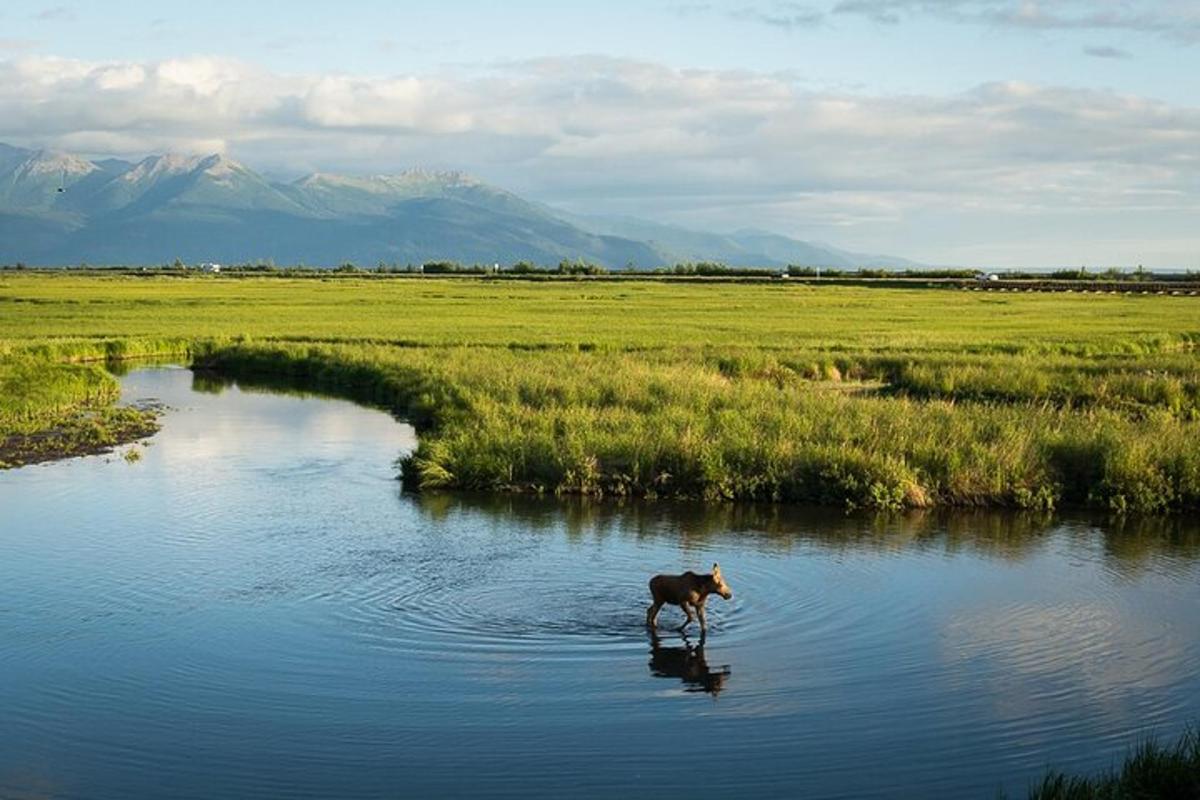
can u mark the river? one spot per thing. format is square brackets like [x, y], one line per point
[250, 606]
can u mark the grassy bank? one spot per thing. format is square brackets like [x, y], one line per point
[1152, 771]
[686, 424]
[51, 408]
[880, 398]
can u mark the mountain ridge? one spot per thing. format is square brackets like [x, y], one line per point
[58, 208]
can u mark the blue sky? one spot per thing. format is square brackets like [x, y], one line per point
[951, 131]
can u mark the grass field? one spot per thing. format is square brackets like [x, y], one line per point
[846, 395]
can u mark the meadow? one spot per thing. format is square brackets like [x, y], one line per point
[853, 396]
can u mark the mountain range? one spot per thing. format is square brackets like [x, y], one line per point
[57, 209]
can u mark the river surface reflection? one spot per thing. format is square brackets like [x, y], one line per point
[255, 609]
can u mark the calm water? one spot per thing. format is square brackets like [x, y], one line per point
[255, 609]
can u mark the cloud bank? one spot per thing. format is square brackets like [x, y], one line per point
[597, 132]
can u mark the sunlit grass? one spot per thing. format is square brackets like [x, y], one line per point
[671, 423]
[574, 313]
[838, 395]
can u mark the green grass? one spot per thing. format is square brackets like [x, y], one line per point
[844, 395]
[1151, 771]
[51, 410]
[625, 315]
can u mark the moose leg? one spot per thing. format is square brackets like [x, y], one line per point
[703, 619]
[688, 611]
[652, 613]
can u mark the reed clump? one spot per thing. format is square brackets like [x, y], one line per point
[1150, 770]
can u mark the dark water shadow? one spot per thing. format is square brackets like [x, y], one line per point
[120, 367]
[1128, 543]
[213, 382]
[688, 663]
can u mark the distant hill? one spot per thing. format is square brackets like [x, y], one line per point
[744, 248]
[57, 208]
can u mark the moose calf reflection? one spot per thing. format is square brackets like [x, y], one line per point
[688, 664]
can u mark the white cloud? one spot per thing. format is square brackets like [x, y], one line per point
[120, 76]
[588, 131]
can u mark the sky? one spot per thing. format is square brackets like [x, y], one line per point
[977, 132]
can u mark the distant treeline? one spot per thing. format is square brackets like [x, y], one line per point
[691, 268]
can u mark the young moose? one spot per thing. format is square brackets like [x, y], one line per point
[689, 591]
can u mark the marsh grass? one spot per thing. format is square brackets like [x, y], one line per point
[57, 400]
[77, 432]
[34, 391]
[877, 398]
[671, 424]
[1151, 771]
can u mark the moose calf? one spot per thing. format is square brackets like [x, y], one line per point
[689, 591]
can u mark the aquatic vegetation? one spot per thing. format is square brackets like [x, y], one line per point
[77, 432]
[1150, 770]
[850, 396]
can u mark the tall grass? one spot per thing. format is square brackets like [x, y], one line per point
[33, 391]
[1167, 382]
[673, 424]
[41, 381]
[56, 397]
[1151, 771]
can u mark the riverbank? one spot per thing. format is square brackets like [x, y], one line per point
[51, 409]
[871, 398]
[82, 432]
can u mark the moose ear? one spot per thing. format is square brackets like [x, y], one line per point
[716, 568]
